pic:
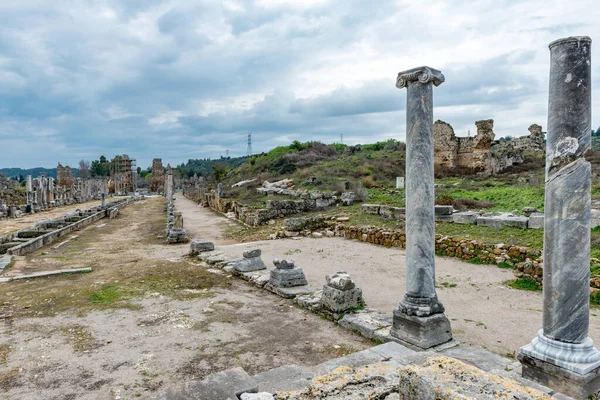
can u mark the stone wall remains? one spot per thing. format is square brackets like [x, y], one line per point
[481, 153]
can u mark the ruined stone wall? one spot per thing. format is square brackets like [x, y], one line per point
[64, 176]
[481, 154]
[158, 176]
[9, 193]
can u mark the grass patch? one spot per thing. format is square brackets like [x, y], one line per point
[505, 195]
[376, 220]
[595, 299]
[134, 279]
[9, 379]
[107, 294]
[395, 198]
[525, 284]
[448, 284]
[475, 260]
[506, 265]
[4, 352]
[533, 238]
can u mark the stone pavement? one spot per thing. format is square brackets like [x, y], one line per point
[374, 371]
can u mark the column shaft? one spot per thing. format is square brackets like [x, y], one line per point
[568, 202]
[420, 218]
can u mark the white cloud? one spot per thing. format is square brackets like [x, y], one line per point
[110, 76]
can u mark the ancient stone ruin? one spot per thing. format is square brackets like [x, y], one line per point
[175, 231]
[481, 153]
[287, 280]
[158, 176]
[562, 355]
[419, 319]
[340, 293]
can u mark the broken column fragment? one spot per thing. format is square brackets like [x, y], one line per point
[340, 293]
[250, 262]
[201, 245]
[287, 280]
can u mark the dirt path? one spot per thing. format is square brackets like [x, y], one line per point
[203, 223]
[484, 311]
[145, 318]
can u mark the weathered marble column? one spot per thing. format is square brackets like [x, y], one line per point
[29, 188]
[169, 184]
[562, 355]
[419, 319]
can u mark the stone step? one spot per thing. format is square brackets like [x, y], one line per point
[225, 385]
[5, 262]
[384, 360]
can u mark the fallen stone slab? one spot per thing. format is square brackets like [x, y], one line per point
[482, 359]
[354, 360]
[226, 385]
[536, 221]
[289, 292]
[465, 217]
[446, 378]
[499, 222]
[393, 351]
[257, 396]
[370, 209]
[248, 265]
[51, 273]
[201, 245]
[284, 379]
[259, 278]
[443, 210]
[366, 323]
[5, 261]
[444, 218]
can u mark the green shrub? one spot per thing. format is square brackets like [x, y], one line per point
[525, 284]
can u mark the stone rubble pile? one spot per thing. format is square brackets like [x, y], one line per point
[283, 187]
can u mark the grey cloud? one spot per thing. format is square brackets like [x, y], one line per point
[63, 64]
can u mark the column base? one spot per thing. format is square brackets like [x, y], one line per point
[560, 379]
[422, 332]
[569, 368]
[580, 358]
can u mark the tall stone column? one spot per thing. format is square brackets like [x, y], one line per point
[169, 184]
[419, 320]
[29, 188]
[562, 356]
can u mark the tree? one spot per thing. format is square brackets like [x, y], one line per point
[84, 169]
[219, 171]
[100, 168]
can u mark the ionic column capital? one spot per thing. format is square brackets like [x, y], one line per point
[420, 74]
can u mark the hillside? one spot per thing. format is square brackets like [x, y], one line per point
[34, 172]
[314, 165]
[372, 169]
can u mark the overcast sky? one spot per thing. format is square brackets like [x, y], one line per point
[189, 79]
